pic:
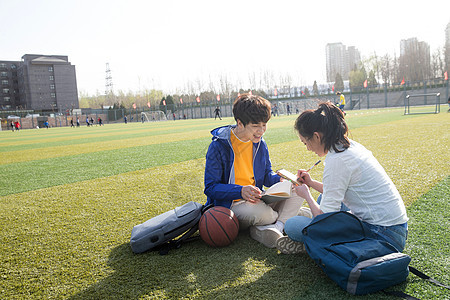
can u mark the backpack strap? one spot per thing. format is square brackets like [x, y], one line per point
[426, 277]
[186, 237]
[176, 243]
[400, 295]
[421, 275]
[206, 207]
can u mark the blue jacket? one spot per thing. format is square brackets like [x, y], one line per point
[220, 188]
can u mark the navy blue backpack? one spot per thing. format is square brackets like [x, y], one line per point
[338, 242]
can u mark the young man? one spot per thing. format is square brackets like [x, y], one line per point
[237, 168]
[217, 113]
[341, 101]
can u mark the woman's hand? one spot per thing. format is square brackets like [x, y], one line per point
[251, 193]
[304, 177]
[303, 191]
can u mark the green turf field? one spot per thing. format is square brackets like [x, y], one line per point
[69, 198]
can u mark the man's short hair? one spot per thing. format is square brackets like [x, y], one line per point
[251, 109]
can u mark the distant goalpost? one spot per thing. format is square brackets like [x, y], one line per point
[411, 98]
[152, 116]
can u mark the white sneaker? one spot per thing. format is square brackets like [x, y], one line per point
[305, 212]
[288, 246]
[266, 234]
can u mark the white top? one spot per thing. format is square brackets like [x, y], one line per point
[356, 178]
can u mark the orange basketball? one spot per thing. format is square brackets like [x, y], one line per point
[218, 226]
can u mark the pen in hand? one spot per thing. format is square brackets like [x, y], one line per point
[300, 179]
[313, 166]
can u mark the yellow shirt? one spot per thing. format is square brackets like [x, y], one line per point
[243, 161]
[342, 98]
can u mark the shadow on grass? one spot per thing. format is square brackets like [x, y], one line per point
[243, 270]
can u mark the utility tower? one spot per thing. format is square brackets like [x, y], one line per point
[109, 83]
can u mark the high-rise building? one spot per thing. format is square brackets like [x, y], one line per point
[9, 93]
[354, 58]
[340, 59]
[415, 59]
[447, 35]
[38, 82]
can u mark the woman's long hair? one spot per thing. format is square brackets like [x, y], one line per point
[327, 120]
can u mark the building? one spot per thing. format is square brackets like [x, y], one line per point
[353, 58]
[415, 59]
[9, 93]
[340, 59]
[38, 82]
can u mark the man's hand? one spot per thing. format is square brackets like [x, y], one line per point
[251, 193]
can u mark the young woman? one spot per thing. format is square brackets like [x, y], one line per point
[352, 177]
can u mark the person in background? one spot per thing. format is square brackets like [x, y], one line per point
[341, 101]
[217, 113]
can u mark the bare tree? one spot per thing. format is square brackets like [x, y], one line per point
[437, 63]
[212, 87]
[199, 85]
[447, 57]
[269, 80]
[225, 85]
[252, 80]
[395, 70]
[385, 67]
[414, 61]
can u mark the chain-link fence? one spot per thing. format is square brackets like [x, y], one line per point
[364, 98]
[380, 95]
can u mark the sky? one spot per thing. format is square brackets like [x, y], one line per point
[167, 44]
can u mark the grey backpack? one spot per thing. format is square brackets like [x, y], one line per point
[160, 232]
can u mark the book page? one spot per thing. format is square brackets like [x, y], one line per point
[282, 188]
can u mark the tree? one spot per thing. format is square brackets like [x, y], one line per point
[170, 106]
[163, 107]
[315, 89]
[252, 80]
[339, 83]
[447, 57]
[386, 68]
[268, 79]
[437, 63]
[395, 70]
[372, 81]
[225, 85]
[414, 61]
[357, 78]
[307, 92]
[373, 63]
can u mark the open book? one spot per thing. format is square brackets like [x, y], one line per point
[279, 191]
